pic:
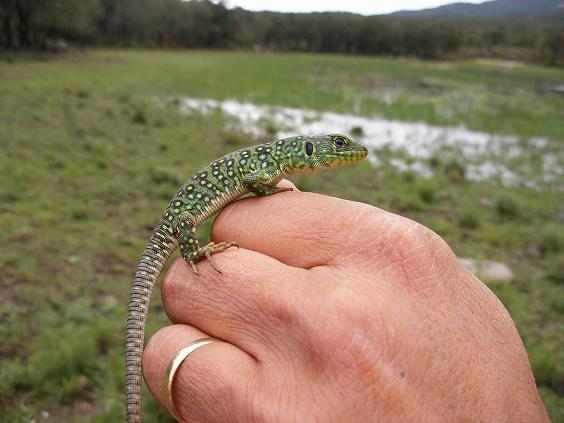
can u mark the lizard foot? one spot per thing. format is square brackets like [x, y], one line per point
[210, 249]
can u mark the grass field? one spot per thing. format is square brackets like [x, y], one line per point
[89, 159]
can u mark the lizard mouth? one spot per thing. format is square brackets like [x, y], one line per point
[346, 158]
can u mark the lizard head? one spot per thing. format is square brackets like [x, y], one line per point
[332, 150]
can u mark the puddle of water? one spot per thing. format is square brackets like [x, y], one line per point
[558, 88]
[504, 159]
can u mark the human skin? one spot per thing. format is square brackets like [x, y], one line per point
[337, 311]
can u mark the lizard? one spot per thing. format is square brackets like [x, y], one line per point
[256, 170]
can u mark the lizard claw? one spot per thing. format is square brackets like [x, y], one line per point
[194, 268]
[212, 264]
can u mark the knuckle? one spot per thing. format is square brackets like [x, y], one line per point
[408, 238]
[420, 257]
[175, 281]
[365, 223]
[336, 329]
[427, 238]
[153, 347]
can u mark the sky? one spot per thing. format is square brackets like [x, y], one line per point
[365, 7]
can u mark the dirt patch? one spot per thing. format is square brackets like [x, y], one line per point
[78, 408]
[110, 265]
[8, 284]
[5, 295]
[501, 63]
[442, 65]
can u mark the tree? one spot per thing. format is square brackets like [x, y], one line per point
[203, 24]
[7, 11]
[550, 47]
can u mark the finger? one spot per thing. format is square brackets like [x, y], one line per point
[284, 183]
[246, 304]
[211, 381]
[301, 229]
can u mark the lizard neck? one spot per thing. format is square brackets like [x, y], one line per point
[290, 154]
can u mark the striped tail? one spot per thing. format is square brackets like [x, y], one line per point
[160, 247]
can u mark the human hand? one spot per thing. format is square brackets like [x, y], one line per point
[336, 311]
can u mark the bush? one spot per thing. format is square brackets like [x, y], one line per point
[468, 218]
[506, 206]
[357, 131]
[139, 117]
[427, 191]
[407, 203]
[160, 176]
[557, 301]
[233, 139]
[82, 94]
[544, 361]
[551, 240]
[435, 162]
[271, 129]
[556, 270]
[455, 172]
[409, 176]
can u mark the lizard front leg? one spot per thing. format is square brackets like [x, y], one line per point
[185, 229]
[262, 182]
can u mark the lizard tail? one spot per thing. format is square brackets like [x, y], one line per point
[160, 247]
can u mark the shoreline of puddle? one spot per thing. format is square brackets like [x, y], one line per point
[484, 156]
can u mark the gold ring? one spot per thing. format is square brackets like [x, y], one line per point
[173, 367]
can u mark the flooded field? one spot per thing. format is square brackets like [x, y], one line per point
[502, 159]
[95, 144]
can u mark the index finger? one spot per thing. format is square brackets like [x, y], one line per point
[301, 229]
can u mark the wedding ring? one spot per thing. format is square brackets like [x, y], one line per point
[173, 367]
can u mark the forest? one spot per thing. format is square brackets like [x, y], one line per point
[55, 24]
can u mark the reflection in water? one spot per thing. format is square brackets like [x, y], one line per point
[505, 159]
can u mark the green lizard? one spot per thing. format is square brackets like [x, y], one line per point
[255, 169]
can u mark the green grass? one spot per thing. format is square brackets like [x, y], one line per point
[483, 97]
[89, 161]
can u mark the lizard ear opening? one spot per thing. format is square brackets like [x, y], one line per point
[309, 149]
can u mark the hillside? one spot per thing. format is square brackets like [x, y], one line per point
[489, 9]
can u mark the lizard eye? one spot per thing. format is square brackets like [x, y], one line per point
[340, 142]
[309, 149]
